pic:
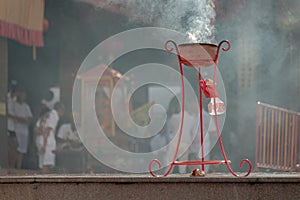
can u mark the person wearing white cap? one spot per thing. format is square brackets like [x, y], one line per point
[45, 140]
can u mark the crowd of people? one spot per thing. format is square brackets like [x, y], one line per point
[20, 122]
[50, 138]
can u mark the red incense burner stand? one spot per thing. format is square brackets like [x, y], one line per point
[198, 55]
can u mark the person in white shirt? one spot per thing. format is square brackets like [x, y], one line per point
[45, 140]
[67, 136]
[173, 129]
[12, 139]
[209, 133]
[158, 142]
[186, 138]
[22, 118]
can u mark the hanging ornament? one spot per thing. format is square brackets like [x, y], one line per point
[45, 25]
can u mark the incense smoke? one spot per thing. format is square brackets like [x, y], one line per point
[193, 17]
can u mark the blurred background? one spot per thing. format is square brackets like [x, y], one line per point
[262, 64]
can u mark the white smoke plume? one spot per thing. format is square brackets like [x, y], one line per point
[193, 17]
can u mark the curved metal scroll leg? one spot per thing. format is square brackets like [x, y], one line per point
[223, 48]
[223, 151]
[159, 166]
[220, 139]
[168, 49]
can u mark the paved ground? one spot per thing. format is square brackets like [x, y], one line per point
[33, 186]
[28, 176]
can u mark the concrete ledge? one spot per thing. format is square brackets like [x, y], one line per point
[213, 186]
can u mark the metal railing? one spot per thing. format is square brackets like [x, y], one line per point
[277, 138]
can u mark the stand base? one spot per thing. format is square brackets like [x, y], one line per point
[198, 162]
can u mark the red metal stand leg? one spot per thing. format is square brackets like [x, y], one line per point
[201, 118]
[182, 112]
[219, 135]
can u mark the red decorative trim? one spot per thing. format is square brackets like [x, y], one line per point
[21, 34]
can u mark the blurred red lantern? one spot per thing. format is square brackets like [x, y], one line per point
[45, 25]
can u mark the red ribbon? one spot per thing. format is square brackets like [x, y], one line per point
[208, 88]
